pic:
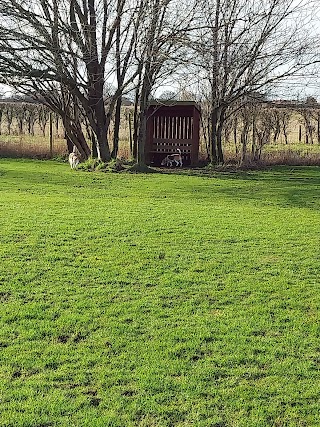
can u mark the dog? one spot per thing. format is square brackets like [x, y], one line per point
[173, 158]
[73, 160]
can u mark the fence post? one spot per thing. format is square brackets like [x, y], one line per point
[51, 135]
[130, 135]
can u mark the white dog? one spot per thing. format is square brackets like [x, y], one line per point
[173, 158]
[73, 160]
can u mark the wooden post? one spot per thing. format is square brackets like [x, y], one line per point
[130, 135]
[149, 135]
[300, 133]
[196, 136]
[51, 135]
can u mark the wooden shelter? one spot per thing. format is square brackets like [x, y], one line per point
[172, 125]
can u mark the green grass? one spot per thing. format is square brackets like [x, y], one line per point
[159, 300]
[299, 148]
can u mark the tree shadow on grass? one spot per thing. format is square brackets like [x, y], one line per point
[298, 188]
[283, 186]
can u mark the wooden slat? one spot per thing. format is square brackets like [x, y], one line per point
[175, 142]
[161, 145]
[168, 151]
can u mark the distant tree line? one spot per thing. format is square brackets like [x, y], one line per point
[22, 117]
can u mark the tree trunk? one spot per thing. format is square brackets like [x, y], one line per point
[69, 143]
[97, 114]
[130, 135]
[136, 114]
[142, 137]
[235, 136]
[213, 137]
[217, 122]
[101, 132]
[300, 133]
[75, 136]
[142, 129]
[285, 135]
[254, 138]
[219, 136]
[244, 140]
[142, 132]
[94, 151]
[116, 129]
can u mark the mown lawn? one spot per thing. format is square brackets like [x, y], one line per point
[159, 300]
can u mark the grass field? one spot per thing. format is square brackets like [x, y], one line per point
[159, 300]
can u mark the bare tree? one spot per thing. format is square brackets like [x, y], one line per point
[275, 124]
[9, 115]
[307, 117]
[286, 116]
[245, 47]
[64, 46]
[20, 114]
[161, 50]
[43, 118]
[2, 107]
[316, 117]
[31, 118]
[261, 131]
[280, 118]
